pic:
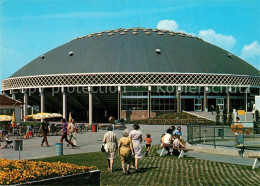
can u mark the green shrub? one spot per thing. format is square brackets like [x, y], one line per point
[230, 117]
[224, 116]
[181, 118]
[218, 116]
[257, 122]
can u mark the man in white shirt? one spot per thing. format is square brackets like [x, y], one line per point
[72, 132]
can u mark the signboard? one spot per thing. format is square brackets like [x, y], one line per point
[18, 145]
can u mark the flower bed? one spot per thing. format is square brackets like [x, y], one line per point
[181, 118]
[21, 171]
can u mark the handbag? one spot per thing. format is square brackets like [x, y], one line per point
[103, 148]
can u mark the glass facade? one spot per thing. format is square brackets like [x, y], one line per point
[135, 100]
[163, 104]
[138, 100]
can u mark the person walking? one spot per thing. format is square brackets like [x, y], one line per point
[72, 132]
[136, 137]
[212, 109]
[125, 151]
[65, 133]
[45, 129]
[111, 142]
[148, 141]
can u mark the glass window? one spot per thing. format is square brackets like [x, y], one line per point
[140, 93]
[161, 107]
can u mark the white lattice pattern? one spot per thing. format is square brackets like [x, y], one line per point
[130, 79]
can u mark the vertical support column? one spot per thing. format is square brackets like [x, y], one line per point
[64, 103]
[119, 106]
[21, 111]
[178, 92]
[228, 99]
[246, 98]
[25, 101]
[149, 101]
[205, 101]
[13, 94]
[42, 100]
[90, 105]
[18, 114]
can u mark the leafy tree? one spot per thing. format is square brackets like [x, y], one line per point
[230, 117]
[218, 116]
[224, 116]
[256, 122]
[257, 116]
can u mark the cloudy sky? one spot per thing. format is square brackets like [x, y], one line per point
[29, 28]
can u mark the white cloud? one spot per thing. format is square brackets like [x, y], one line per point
[251, 53]
[168, 25]
[251, 50]
[171, 25]
[225, 41]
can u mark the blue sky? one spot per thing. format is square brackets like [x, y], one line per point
[29, 28]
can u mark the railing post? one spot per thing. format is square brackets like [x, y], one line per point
[214, 137]
[243, 137]
[188, 132]
[192, 134]
[223, 132]
[200, 133]
[254, 132]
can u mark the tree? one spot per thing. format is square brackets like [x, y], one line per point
[224, 116]
[230, 117]
[218, 116]
[257, 116]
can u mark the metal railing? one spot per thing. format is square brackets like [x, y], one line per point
[224, 136]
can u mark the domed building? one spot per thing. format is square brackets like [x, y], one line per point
[134, 73]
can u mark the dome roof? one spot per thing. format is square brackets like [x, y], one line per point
[137, 50]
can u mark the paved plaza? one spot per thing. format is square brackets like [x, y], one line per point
[87, 142]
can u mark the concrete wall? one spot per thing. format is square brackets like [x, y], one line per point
[17, 111]
[131, 115]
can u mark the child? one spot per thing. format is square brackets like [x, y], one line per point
[176, 144]
[148, 141]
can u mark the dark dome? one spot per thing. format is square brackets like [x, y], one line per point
[134, 50]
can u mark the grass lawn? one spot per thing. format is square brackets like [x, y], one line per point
[167, 170]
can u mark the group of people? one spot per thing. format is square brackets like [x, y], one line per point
[67, 130]
[129, 147]
[173, 137]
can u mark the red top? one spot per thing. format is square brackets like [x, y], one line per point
[148, 141]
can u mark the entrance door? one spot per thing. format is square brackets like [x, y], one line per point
[220, 103]
[187, 104]
[197, 104]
